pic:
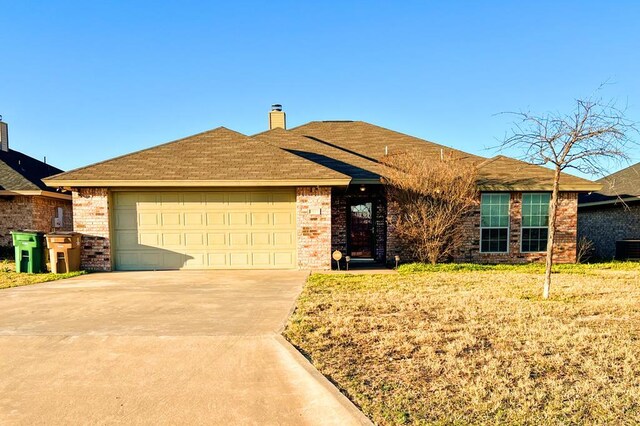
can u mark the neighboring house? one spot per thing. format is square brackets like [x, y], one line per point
[288, 198]
[612, 215]
[25, 201]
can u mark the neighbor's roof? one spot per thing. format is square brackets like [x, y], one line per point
[22, 174]
[502, 173]
[618, 187]
[219, 157]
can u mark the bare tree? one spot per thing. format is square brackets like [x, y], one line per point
[432, 198]
[584, 139]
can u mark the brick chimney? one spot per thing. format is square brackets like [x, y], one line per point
[4, 136]
[277, 117]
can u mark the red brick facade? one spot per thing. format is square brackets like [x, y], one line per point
[31, 212]
[565, 246]
[313, 223]
[321, 226]
[91, 219]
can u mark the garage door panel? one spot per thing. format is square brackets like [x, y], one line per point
[282, 218]
[193, 220]
[171, 219]
[260, 219]
[260, 239]
[238, 219]
[127, 240]
[283, 259]
[126, 220]
[239, 259]
[171, 239]
[238, 239]
[148, 219]
[194, 239]
[284, 239]
[217, 239]
[204, 229]
[217, 260]
[216, 219]
[261, 259]
[150, 239]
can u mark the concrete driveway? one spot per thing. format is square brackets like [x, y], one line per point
[197, 347]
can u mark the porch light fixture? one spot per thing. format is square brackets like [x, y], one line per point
[363, 188]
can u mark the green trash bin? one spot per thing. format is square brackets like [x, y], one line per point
[29, 246]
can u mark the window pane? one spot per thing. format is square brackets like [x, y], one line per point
[494, 240]
[534, 239]
[494, 222]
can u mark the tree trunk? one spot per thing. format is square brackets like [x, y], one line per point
[553, 208]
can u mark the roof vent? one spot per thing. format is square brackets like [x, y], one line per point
[277, 117]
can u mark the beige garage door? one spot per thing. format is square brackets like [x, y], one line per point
[251, 229]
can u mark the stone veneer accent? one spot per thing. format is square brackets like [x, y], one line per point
[31, 212]
[565, 246]
[313, 226]
[91, 219]
[606, 224]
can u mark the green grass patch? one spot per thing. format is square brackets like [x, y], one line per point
[10, 278]
[533, 268]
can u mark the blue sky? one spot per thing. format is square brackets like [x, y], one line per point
[81, 82]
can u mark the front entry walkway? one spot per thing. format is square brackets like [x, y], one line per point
[187, 347]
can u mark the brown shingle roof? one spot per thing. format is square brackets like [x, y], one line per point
[498, 174]
[214, 158]
[359, 167]
[370, 141]
[320, 152]
[502, 173]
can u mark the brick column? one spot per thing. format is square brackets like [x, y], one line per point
[313, 225]
[91, 219]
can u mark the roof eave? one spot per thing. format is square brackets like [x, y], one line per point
[70, 183]
[36, 193]
[586, 187]
[616, 200]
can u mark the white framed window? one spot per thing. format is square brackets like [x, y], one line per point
[494, 222]
[535, 222]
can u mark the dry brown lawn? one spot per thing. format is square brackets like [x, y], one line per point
[477, 347]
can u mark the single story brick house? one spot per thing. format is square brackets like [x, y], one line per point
[25, 201]
[287, 198]
[610, 217]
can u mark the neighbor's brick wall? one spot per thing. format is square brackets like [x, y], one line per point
[604, 225]
[16, 212]
[565, 246]
[44, 210]
[91, 219]
[30, 212]
[313, 230]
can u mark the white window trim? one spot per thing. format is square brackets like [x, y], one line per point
[496, 227]
[522, 227]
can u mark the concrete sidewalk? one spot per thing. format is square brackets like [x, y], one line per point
[160, 347]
